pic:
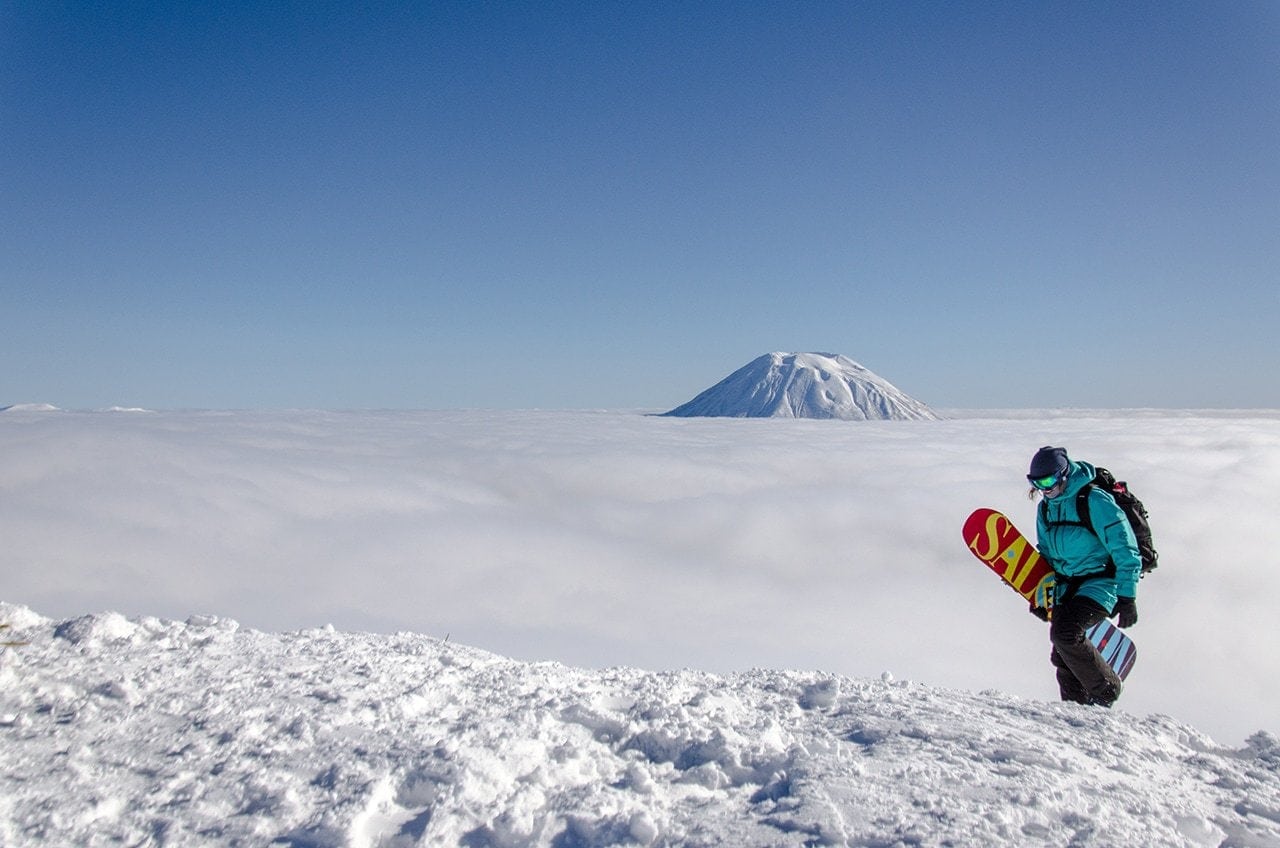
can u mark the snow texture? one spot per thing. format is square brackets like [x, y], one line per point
[151, 732]
[805, 385]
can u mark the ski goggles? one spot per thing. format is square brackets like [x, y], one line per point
[1044, 484]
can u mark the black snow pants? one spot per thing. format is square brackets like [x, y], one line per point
[1083, 675]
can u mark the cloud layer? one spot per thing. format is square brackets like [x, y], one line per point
[606, 539]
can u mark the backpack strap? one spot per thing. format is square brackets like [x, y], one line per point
[1082, 512]
[1070, 585]
[1082, 508]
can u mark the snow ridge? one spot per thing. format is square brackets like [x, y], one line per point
[30, 407]
[144, 731]
[805, 385]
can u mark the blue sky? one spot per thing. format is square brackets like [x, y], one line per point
[616, 204]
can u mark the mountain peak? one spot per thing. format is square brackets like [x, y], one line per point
[805, 385]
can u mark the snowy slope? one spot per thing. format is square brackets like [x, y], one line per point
[805, 385]
[143, 731]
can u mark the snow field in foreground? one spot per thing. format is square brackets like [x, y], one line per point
[145, 731]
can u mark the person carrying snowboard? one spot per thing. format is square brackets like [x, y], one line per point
[1096, 570]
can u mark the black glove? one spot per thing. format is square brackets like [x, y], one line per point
[1039, 612]
[1126, 612]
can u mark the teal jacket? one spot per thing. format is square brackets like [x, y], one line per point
[1074, 552]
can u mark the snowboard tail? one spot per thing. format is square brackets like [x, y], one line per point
[1116, 648]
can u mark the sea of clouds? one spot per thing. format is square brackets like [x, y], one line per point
[604, 539]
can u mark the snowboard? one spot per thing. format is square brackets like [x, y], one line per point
[993, 539]
[1115, 647]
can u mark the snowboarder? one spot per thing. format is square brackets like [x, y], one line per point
[1096, 572]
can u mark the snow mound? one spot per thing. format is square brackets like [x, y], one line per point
[805, 385]
[30, 407]
[142, 731]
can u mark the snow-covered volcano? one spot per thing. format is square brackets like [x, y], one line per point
[805, 385]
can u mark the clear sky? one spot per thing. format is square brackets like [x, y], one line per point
[608, 204]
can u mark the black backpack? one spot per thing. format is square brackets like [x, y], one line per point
[1129, 505]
